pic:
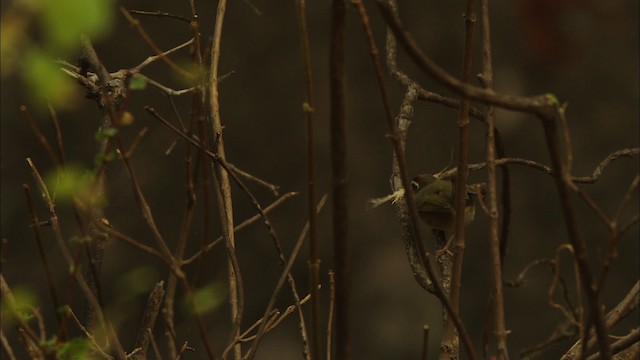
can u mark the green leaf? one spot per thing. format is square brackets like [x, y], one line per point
[553, 99]
[24, 300]
[306, 107]
[74, 182]
[106, 133]
[45, 80]
[64, 20]
[136, 281]
[76, 348]
[208, 298]
[137, 82]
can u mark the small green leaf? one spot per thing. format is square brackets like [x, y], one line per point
[74, 182]
[64, 20]
[306, 107]
[136, 281]
[76, 348]
[208, 298]
[137, 82]
[24, 300]
[106, 133]
[45, 79]
[554, 99]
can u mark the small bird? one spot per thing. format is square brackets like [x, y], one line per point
[435, 202]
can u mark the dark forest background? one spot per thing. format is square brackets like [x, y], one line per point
[584, 52]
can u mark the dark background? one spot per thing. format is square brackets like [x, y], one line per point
[586, 53]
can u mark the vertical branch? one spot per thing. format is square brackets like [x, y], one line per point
[53, 290]
[339, 181]
[564, 184]
[494, 218]
[423, 271]
[223, 185]
[314, 257]
[450, 341]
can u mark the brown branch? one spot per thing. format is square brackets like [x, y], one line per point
[136, 24]
[148, 321]
[627, 152]
[223, 187]
[330, 316]
[284, 276]
[206, 249]
[339, 179]
[14, 309]
[495, 250]
[564, 185]
[160, 14]
[314, 254]
[633, 337]
[628, 304]
[541, 105]
[40, 136]
[397, 135]
[53, 289]
[71, 263]
[86, 333]
[449, 343]
[6, 346]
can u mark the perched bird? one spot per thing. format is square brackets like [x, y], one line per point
[435, 201]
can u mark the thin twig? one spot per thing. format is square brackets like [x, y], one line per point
[6, 346]
[564, 185]
[627, 152]
[53, 289]
[239, 227]
[285, 275]
[425, 343]
[86, 333]
[148, 321]
[136, 24]
[71, 263]
[41, 138]
[314, 255]
[160, 14]
[330, 316]
[223, 186]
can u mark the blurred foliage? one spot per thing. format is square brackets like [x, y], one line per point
[209, 297]
[74, 182]
[76, 348]
[136, 281]
[21, 306]
[59, 25]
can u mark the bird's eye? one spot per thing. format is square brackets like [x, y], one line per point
[414, 185]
